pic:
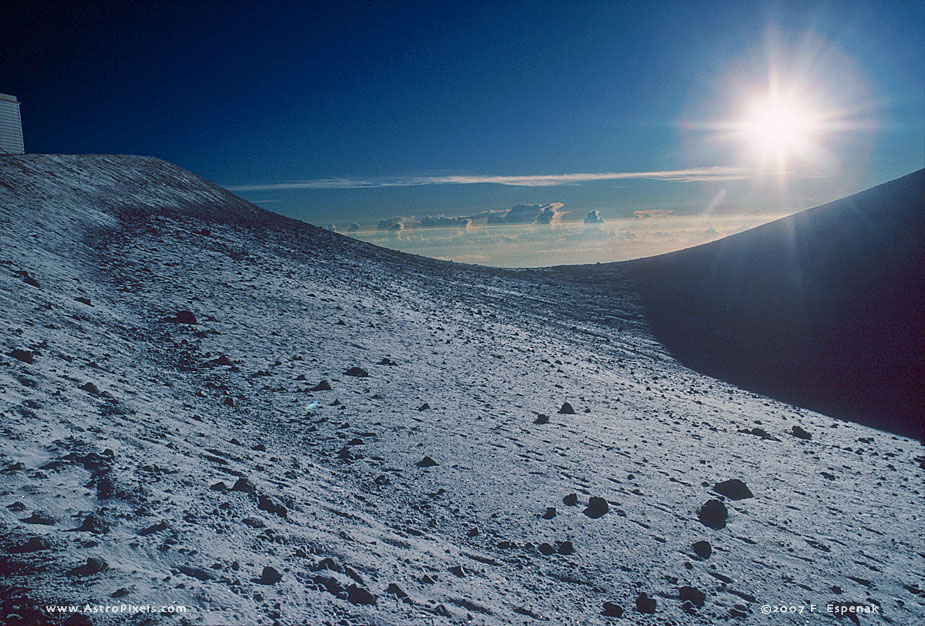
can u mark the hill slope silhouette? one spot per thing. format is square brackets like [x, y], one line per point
[823, 309]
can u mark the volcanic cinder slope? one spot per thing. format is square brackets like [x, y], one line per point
[165, 438]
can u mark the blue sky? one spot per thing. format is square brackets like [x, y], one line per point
[359, 110]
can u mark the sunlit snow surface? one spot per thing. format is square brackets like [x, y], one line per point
[837, 518]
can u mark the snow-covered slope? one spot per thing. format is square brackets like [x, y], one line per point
[148, 460]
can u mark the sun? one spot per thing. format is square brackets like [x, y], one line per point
[780, 127]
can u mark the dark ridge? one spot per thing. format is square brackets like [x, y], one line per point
[823, 309]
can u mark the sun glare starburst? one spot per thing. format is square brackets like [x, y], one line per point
[780, 127]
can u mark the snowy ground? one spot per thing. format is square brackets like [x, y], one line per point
[97, 252]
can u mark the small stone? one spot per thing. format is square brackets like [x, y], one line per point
[22, 355]
[597, 507]
[396, 591]
[426, 462]
[702, 549]
[565, 547]
[645, 604]
[566, 409]
[269, 576]
[357, 371]
[271, 505]
[153, 528]
[94, 565]
[90, 388]
[322, 386]
[733, 489]
[243, 484]
[612, 610]
[33, 544]
[182, 317]
[798, 432]
[424, 407]
[219, 486]
[358, 595]
[713, 514]
[229, 401]
[571, 499]
[692, 595]
[94, 523]
[546, 549]
[541, 419]
[457, 570]
[550, 512]
[40, 516]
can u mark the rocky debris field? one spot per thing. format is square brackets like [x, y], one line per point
[206, 406]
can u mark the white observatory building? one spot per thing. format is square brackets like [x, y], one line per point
[10, 126]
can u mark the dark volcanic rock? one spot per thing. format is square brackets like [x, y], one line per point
[94, 565]
[322, 386]
[703, 549]
[713, 514]
[272, 505]
[798, 432]
[33, 544]
[22, 355]
[541, 419]
[596, 507]
[546, 549]
[612, 610]
[196, 572]
[550, 512]
[733, 489]
[396, 591]
[424, 407]
[269, 576]
[357, 371]
[243, 484]
[182, 317]
[565, 547]
[692, 595]
[358, 595]
[40, 517]
[566, 409]
[426, 462]
[153, 528]
[571, 499]
[94, 523]
[645, 604]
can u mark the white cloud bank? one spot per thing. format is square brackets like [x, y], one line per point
[695, 174]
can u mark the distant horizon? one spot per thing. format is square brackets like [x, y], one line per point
[334, 113]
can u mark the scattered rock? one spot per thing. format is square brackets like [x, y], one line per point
[245, 485]
[359, 595]
[565, 547]
[94, 523]
[40, 516]
[386, 361]
[550, 512]
[692, 595]
[94, 565]
[424, 407]
[269, 576]
[219, 486]
[26, 356]
[196, 572]
[645, 604]
[182, 317]
[546, 549]
[153, 528]
[229, 401]
[322, 386]
[90, 388]
[713, 514]
[703, 549]
[396, 591]
[33, 544]
[571, 499]
[798, 432]
[271, 505]
[733, 489]
[357, 371]
[457, 570]
[222, 361]
[612, 610]
[566, 409]
[83, 300]
[597, 507]
[426, 462]
[541, 419]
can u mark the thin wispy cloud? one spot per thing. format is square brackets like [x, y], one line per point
[696, 174]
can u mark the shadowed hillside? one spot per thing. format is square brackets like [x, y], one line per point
[823, 309]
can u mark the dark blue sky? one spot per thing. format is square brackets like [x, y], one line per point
[249, 94]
